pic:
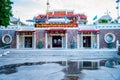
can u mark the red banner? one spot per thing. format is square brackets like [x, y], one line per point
[69, 25]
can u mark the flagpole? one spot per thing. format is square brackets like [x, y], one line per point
[47, 9]
[47, 5]
[118, 11]
[117, 7]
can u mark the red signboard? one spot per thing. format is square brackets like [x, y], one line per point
[69, 25]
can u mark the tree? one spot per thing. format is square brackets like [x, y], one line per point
[5, 12]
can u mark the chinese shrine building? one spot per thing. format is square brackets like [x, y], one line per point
[61, 29]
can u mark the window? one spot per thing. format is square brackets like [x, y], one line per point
[109, 37]
[7, 39]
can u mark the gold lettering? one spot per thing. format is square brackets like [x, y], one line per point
[56, 25]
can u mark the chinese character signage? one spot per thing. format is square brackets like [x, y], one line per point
[67, 25]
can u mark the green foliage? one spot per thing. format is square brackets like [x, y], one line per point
[110, 45]
[5, 12]
[85, 22]
[72, 44]
[40, 44]
[4, 44]
[115, 21]
[103, 21]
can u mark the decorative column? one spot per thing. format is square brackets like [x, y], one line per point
[98, 42]
[78, 41]
[46, 40]
[17, 42]
[34, 40]
[81, 40]
[62, 43]
[92, 43]
[23, 41]
[66, 40]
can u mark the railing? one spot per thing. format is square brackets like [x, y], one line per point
[108, 26]
[87, 27]
[10, 27]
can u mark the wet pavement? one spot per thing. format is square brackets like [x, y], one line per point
[71, 72]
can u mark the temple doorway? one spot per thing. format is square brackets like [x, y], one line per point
[56, 41]
[87, 41]
[28, 42]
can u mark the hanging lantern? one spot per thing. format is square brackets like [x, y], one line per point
[50, 34]
[62, 35]
[56, 32]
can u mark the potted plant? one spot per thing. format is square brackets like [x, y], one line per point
[4, 45]
[40, 44]
[72, 44]
[110, 45]
[48, 45]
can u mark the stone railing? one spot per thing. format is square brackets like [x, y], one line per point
[10, 27]
[108, 26]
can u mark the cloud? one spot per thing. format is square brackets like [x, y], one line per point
[25, 13]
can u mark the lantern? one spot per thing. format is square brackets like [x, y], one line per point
[62, 35]
[50, 34]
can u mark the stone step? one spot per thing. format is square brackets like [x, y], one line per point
[71, 54]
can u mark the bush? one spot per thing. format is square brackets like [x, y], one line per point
[110, 45]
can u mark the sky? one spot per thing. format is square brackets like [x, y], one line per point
[27, 9]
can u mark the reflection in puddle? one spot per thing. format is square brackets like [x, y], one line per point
[12, 68]
[8, 71]
[72, 72]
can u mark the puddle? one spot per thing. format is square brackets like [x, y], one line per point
[71, 72]
[8, 71]
[12, 68]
